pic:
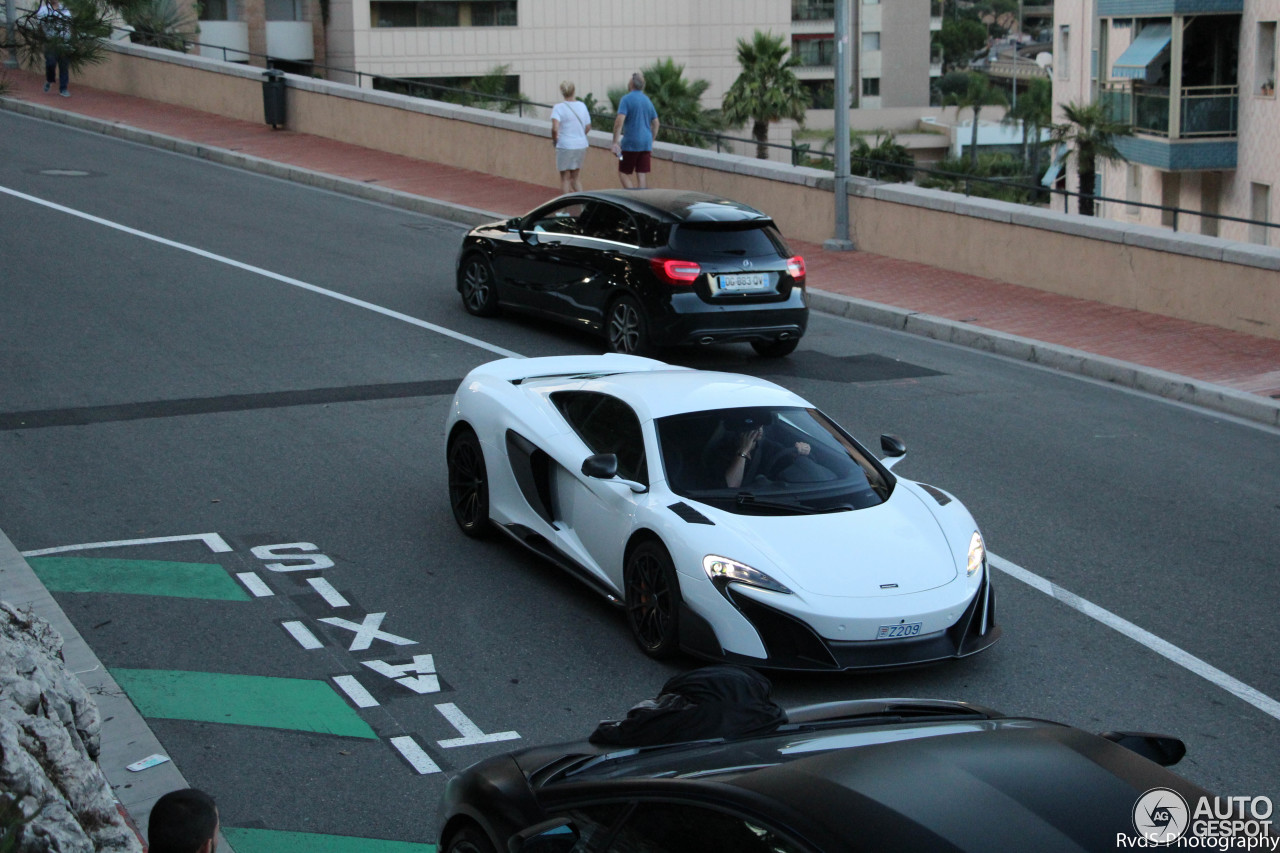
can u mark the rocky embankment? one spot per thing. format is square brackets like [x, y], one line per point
[53, 795]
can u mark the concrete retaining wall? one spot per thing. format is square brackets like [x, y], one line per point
[1202, 279]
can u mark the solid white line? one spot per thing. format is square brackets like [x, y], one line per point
[415, 755]
[213, 540]
[1182, 658]
[356, 691]
[341, 297]
[255, 584]
[328, 593]
[303, 635]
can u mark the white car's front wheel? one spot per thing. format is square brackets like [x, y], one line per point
[468, 483]
[653, 599]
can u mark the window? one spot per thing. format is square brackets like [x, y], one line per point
[870, 42]
[1266, 68]
[1170, 197]
[606, 425]
[217, 10]
[870, 87]
[443, 13]
[607, 222]
[822, 93]
[559, 219]
[813, 10]
[814, 50]
[1260, 210]
[1060, 56]
[1133, 189]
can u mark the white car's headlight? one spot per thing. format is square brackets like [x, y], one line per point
[724, 569]
[977, 554]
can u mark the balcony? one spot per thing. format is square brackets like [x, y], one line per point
[225, 40]
[1205, 135]
[813, 10]
[290, 40]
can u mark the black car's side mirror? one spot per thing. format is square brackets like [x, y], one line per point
[892, 445]
[1164, 750]
[602, 466]
[553, 836]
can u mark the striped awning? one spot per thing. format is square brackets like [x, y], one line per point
[1144, 50]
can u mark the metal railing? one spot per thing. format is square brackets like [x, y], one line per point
[800, 154]
[1206, 111]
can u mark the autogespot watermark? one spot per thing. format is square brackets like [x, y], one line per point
[1163, 818]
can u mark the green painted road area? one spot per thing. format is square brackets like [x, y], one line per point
[242, 700]
[273, 841]
[137, 577]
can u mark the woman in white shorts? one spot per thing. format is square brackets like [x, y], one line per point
[570, 122]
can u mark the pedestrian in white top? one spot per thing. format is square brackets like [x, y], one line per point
[55, 21]
[570, 122]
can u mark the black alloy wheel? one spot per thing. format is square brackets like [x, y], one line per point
[479, 291]
[468, 484]
[469, 839]
[627, 328]
[653, 600]
[775, 349]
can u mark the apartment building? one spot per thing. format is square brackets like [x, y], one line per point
[595, 43]
[1196, 81]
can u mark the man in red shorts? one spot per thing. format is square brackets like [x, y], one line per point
[634, 129]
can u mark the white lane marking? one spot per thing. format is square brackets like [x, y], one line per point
[423, 680]
[213, 540]
[328, 593]
[303, 635]
[1182, 658]
[471, 733]
[341, 297]
[367, 631]
[415, 755]
[298, 562]
[356, 691]
[255, 584]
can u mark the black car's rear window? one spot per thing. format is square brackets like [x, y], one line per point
[725, 238]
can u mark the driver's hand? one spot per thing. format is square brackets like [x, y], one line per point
[802, 447]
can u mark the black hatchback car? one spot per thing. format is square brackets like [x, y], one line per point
[868, 775]
[644, 268]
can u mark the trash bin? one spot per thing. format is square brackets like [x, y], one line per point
[273, 98]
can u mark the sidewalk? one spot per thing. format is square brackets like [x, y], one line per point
[1222, 370]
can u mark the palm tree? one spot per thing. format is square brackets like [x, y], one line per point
[1034, 111]
[978, 93]
[767, 90]
[1092, 132]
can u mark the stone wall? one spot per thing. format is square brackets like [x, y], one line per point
[53, 796]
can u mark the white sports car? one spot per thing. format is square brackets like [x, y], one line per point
[726, 515]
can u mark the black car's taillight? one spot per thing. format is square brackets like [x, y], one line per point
[795, 269]
[678, 273]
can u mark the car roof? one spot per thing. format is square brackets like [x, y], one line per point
[658, 393]
[681, 205]
[980, 785]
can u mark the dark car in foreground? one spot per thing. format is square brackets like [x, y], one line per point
[643, 268]
[873, 775]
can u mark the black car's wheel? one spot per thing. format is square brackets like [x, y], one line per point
[653, 600]
[476, 284]
[469, 839]
[775, 349]
[468, 484]
[627, 328]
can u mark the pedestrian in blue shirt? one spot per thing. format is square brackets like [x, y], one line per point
[634, 129]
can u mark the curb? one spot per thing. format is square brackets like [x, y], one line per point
[1138, 377]
[126, 737]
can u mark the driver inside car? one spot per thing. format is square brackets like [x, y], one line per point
[748, 452]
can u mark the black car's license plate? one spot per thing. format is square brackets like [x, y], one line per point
[751, 282]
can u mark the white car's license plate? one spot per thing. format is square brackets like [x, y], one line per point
[894, 632]
[749, 282]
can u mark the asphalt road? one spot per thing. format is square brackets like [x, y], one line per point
[153, 391]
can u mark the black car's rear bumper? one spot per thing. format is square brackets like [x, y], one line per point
[791, 644]
[688, 319]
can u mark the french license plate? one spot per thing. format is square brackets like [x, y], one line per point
[749, 282]
[894, 632]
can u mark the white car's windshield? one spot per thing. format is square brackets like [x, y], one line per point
[766, 461]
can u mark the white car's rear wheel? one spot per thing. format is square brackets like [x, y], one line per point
[653, 600]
